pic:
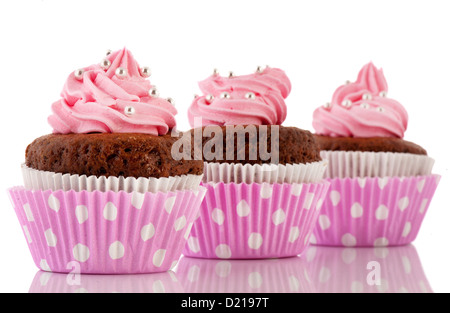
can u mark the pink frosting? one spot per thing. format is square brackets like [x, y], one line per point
[361, 109]
[96, 102]
[269, 87]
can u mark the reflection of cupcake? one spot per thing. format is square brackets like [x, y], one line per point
[287, 275]
[381, 185]
[264, 180]
[45, 282]
[103, 190]
[366, 270]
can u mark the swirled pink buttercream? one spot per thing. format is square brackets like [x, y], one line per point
[101, 100]
[362, 109]
[241, 100]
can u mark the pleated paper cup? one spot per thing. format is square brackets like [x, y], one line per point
[253, 221]
[265, 173]
[342, 164]
[366, 270]
[43, 180]
[105, 232]
[374, 211]
[287, 275]
[47, 282]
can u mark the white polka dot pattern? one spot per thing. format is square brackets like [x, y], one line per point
[106, 232]
[357, 210]
[218, 216]
[278, 217]
[294, 234]
[147, 232]
[255, 240]
[266, 191]
[28, 213]
[53, 203]
[348, 240]
[116, 250]
[324, 222]
[223, 251]
[374, 211]
[110, 212]
[82, 213]
[81, 253]
[241, 220]
[158, 257]
[243, 208]
[180, 223]
[50, 237]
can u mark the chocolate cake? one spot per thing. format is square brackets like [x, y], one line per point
[294, 145]
[373, 144]
[109, 154]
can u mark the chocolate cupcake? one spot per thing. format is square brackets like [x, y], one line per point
[264, 180]
[360, 132]
[237, 130]
[381, 184]
[103, 192]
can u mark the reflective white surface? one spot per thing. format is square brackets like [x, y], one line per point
[367, 270]
[46, 282]
[320, 269]
[242, 276]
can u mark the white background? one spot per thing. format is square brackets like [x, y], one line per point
[319, 44]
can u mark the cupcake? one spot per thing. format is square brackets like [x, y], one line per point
[381, 184]
[264, 181]
[102, 193]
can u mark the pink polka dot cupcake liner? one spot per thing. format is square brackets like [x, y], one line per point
[254, 221]
[287, 275]
[366, 270]
[375, 211]
[105, 232]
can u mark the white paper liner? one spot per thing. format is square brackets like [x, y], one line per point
[265, 173]
[354, 164]
[43, 180]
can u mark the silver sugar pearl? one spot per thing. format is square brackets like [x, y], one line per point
[225, 95]
[153, 92]
[171, 101]
[327, 105]
[209, 98]
[145, 71]
[380, 109]
[121, 72]
[367, 96]
[195, 96]
[108, 52]
[250, 95]
[260, 69]
[105, 64]
[79, 74]
[215, 72]
[230, 74]
[346, 103]
[129, 110]
[383, 94]
[347, 82]
[365, 105]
